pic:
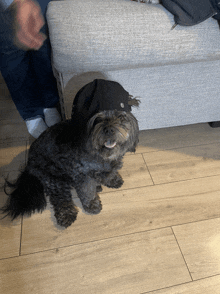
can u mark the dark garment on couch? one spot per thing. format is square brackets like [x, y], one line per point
[192, 12]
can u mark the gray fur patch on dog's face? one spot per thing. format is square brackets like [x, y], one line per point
[113, 133]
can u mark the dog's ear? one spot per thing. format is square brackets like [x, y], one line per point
[91, 122]
[134, 133]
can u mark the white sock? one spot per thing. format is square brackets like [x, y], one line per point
[36, 126]
[52, 116]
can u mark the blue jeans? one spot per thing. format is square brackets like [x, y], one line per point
[28, 74]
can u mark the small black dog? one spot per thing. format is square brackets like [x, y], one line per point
[82, 153]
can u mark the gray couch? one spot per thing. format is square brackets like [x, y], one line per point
[175, 73]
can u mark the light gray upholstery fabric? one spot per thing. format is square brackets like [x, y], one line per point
[174, 94]
[176, 73]
[102, 35]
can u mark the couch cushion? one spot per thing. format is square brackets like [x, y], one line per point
[97, 35]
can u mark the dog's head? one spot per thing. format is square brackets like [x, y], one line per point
[112, 134]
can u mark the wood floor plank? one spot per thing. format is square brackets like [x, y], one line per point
[12, 153]
[9, 234]
[177, 137]
[13, 131]
[209, 285]
[200, 244]
[4, 94]
[6, 102]
[9, 116]
[184, 163]
[126, 212]
[129, 264]
[12, 158]
[12, 126]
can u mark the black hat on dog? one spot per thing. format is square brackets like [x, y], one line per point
[101, 95]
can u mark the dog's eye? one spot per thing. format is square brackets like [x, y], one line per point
[122, 117]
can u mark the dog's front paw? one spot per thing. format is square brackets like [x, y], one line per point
[116, 182]
[66, 214]
[95, 206]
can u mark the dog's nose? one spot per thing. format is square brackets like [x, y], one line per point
[109, 131]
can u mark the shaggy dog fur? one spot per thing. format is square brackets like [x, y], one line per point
[82, 155]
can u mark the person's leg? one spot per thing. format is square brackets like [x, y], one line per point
[41, 63]
[16, 70]
[24, 79]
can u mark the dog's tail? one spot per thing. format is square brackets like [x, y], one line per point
[27, 196]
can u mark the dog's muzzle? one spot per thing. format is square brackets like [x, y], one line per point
[110, 144]
[109, 132]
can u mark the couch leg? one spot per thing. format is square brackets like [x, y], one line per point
[214, 124]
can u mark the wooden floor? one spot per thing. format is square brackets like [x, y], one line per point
[159, 233]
